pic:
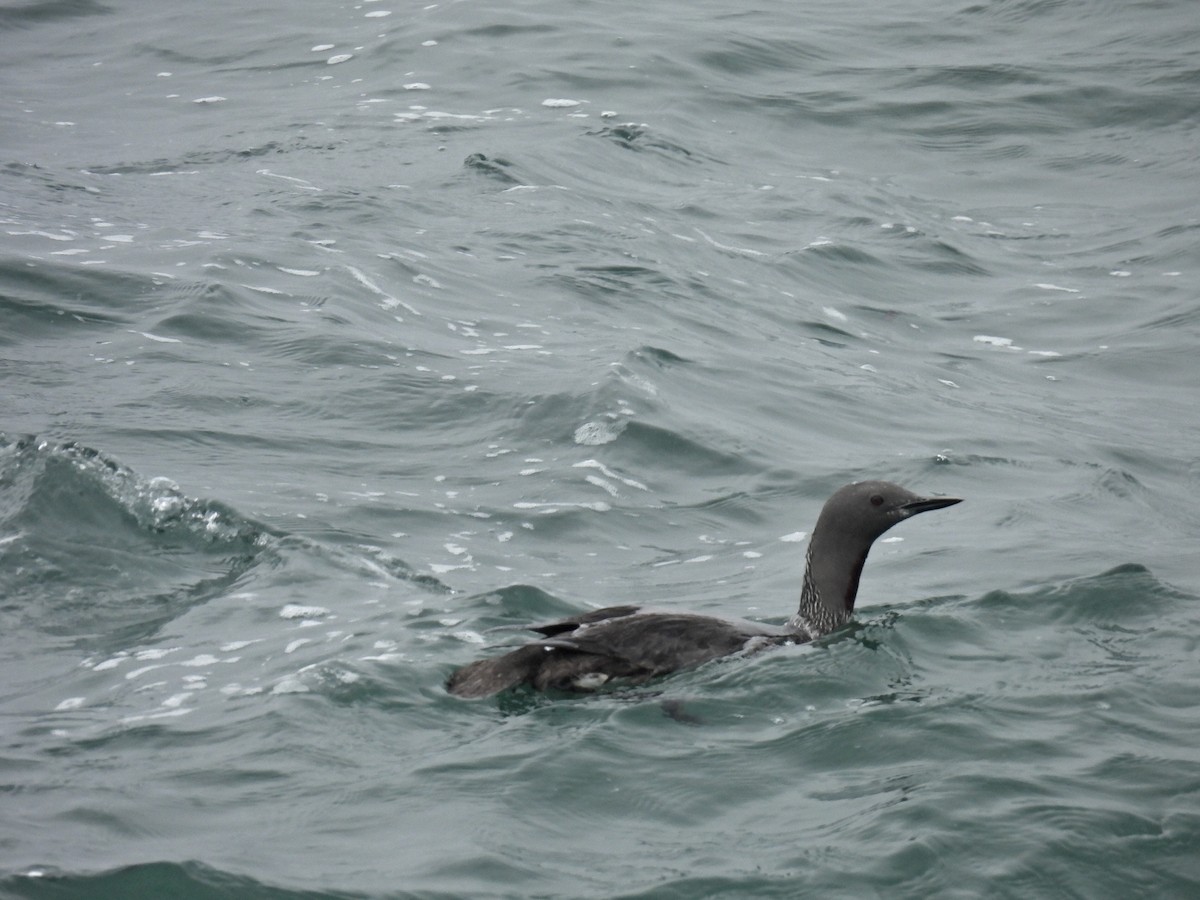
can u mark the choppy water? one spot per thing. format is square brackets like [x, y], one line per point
[333, 335]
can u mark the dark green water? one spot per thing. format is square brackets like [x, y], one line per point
[313, 369]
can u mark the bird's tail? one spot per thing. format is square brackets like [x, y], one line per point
[485, 677]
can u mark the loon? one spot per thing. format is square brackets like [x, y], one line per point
[635, 643]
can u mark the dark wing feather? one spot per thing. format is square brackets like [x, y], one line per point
[616, 642]
[657, 642]
[550, 629]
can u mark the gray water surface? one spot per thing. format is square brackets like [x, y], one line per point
[332, 336]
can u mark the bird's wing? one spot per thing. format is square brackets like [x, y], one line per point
[655, 642]
[550, 629]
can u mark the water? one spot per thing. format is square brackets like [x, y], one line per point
[332, 336]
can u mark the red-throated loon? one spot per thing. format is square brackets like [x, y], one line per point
[634, 643]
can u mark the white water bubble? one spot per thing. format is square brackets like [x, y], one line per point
[296, 611]
[594, 433]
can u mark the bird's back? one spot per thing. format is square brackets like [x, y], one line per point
[617, 642]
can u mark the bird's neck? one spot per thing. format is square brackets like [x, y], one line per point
[830, 586]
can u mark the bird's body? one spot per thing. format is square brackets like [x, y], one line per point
[634, 643]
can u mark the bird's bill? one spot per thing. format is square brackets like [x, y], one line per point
[925, 504]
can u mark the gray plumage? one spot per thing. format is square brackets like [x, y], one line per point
[634, 643]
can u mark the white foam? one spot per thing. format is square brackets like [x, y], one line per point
[596, 464]
[137, 673]
[382, 657]
[292, 178]
[388, 302]
[296, 611]
[599, 506]
[202, 659]
[443, 568]
[237, 645]
[745, 251]
[165, 714]
[233, 689]
[54, 237]
[595, 433]
[154, 653]
[602, 484]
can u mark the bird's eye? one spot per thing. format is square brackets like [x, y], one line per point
[877, 499]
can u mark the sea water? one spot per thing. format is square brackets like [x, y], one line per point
[333, 336]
